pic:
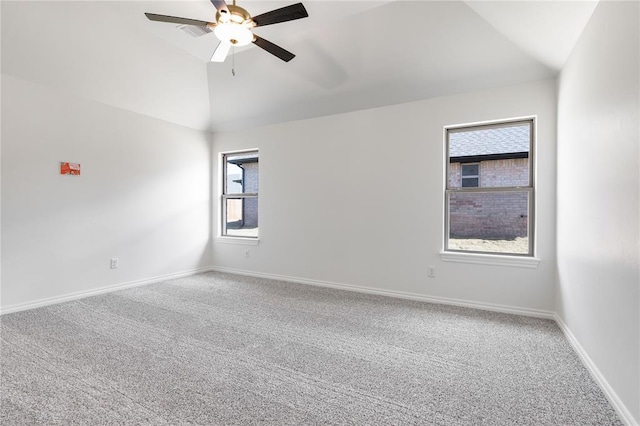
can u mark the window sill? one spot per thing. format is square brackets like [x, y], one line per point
[490, 259]
[238, 240]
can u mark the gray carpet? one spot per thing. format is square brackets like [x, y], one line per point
[219, 349]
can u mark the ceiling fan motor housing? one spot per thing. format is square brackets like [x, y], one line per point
[235, 26]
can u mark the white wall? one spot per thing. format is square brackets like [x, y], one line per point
[143, 195]
[91, 50]
[599, 197]
[357, 199]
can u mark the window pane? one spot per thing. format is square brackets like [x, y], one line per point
[470, 169]
[470, 182]
[242, 217]
[495, 222]
[234, 179]
[502, 152]
[242, 173]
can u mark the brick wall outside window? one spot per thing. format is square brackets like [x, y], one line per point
[488, 215]
[493, 173]
[499, 216]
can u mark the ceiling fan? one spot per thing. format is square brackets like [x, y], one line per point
[234, 27]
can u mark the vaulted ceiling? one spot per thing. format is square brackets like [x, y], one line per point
[350, 55]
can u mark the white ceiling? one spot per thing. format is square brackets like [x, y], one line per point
[350, 54]
[547, 30]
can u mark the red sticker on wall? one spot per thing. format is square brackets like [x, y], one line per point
[70, 169]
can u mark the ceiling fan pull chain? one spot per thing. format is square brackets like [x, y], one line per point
[233, 61]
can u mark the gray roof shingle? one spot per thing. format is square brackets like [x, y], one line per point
[492, 140]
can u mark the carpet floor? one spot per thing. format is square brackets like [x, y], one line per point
[219, 349]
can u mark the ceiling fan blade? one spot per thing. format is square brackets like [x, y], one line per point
[220, 5]
[284, 14]
[273, 49]
[220, 54]
[178, 20]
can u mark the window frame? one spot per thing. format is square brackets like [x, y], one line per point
[224, 196]
[474, 255]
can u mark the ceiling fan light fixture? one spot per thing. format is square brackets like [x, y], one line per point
[233, 33]
[237, 18]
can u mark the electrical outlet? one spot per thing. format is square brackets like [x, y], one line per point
[431, 271]
[114, 263]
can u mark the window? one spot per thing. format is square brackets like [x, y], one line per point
[470, 175]
[493, 214]
[240, 194]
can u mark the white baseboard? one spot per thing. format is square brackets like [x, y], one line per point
[608, 391]
[93, 292]
[397, 294]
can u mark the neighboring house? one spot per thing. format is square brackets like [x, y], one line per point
[489, 158]
[243, 213]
